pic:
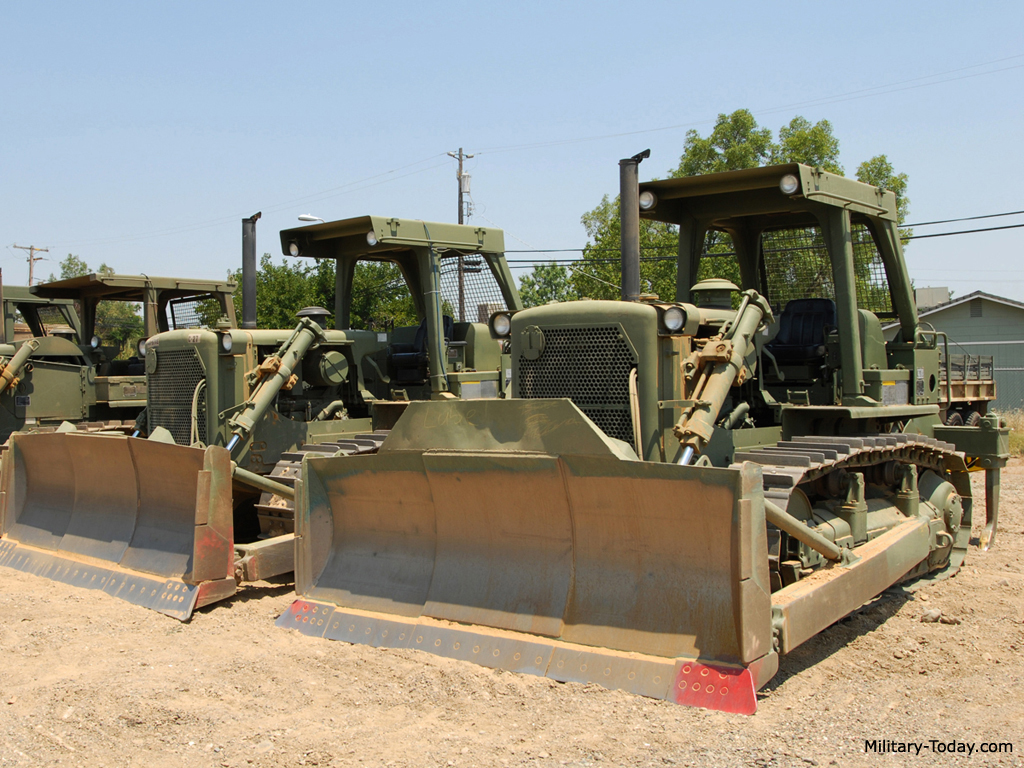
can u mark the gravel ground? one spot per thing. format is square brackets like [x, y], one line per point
[87, 680]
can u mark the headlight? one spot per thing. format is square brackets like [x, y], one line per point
[648, 200]
[142, 347]
[226, 342]
[674, 319]
[371, 237]
[501, 324]
[789, 184]
[95, 342]
[293, 249]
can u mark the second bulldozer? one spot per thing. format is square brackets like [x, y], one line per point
[676, 493]
[64, 372]
[178, 520]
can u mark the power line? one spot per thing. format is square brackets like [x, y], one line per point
[965, 218]
[314, 197]
[672, 247]
[342, 189]
[965, 232]
[879, 90]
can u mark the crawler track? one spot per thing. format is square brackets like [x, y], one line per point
[796, 463]
[277, 514]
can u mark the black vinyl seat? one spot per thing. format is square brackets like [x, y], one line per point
[801, 337]
[409, 361]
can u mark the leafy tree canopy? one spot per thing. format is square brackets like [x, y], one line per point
[380, 296]
[118, 323]
[548, 283]
[735, 142]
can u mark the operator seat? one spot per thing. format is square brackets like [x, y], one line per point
[801, 336]
[409, 361]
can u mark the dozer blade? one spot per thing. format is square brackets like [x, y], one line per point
[147, 522]
[515, 534]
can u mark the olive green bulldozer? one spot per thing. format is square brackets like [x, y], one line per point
[62, 371]
[199, 498]
[674, 493]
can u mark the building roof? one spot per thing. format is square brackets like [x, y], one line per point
[968, 297]
[963, 300]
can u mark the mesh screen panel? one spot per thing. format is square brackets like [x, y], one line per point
[872, 283]
[190, 313]
[797, 266]
[480, 294]
[170, 392]
[51, 318]
[590, 366]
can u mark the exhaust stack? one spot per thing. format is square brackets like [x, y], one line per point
[249, 270]
[629, 211]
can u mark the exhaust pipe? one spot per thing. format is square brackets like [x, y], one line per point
[629, 211]
[249, 270]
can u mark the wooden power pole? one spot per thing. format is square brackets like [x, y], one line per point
[32, 259]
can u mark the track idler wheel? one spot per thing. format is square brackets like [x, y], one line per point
[948, 505]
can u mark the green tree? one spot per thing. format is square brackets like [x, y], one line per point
[380, 296]
[118, 323]
[801, 142]
[71, 266]
[879, 172]
[736, 142]
[547, 283]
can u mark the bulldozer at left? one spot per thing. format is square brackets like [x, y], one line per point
[199, 497]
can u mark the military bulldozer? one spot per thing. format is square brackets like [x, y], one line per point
[178, 520]
[64, 372]
[674, 493]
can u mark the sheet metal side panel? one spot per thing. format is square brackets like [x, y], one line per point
[753, 601]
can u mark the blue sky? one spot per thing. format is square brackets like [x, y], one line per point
[140, 134]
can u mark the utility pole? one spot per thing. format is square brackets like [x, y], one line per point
[32, 259]
[463, 187]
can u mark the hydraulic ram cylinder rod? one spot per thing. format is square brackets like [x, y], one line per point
[13, 368]
[721, 361]
[289, 356]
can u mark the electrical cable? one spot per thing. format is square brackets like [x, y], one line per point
[669, 258]
[879, 90]
[323, 195]
[965, 218]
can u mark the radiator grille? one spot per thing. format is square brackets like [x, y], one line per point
[590, 366]
[170, 393]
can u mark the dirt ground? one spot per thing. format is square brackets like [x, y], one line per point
[87, 680]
